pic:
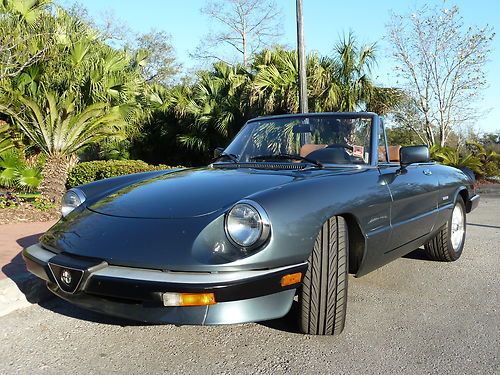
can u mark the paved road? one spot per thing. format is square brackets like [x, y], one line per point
[412, 316]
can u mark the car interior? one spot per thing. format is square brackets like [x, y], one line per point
[339, 155]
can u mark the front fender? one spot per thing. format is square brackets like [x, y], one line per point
[297, 212]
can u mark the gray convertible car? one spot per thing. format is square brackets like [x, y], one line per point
[291, 207]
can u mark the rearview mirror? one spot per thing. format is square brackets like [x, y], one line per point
[414, 154]
[218, 151]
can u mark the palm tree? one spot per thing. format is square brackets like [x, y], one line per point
[27, 11]
[275, 87]
[338, 83]
[81, 91]
[59, 129]
[23, 39]
[219, 107]
[352, 66]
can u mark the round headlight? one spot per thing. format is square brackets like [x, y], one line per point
[247, 224]
[71, 200]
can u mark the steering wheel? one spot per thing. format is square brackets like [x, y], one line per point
[338, 145]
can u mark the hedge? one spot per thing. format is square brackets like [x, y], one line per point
[86, 172]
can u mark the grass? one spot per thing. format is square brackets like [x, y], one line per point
[28, 195]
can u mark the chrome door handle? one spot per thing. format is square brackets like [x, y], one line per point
[427, 172]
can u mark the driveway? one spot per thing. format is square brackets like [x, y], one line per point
[13, 238]
[413, 316]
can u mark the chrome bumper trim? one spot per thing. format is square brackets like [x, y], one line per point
[40, 255]
[185, 277]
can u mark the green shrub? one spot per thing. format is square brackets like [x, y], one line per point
[86, 172]
[453, 158]
[483, 163]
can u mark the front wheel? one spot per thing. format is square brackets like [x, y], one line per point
[323, 296]
[449, 242]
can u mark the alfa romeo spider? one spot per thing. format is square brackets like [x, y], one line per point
[290, 208]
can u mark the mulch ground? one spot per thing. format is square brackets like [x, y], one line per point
[26, 213]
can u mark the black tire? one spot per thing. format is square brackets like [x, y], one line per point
[323, 296]
[440, 247]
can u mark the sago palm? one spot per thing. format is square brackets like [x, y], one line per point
[5, 137]
[453, 158]
[59, 130]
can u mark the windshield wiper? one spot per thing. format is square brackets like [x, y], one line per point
[286, 157]
[231, 157]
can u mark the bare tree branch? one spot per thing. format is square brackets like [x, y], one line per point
[246, 27]
[14, 54]
[443, 64]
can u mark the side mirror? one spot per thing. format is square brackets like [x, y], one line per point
[218, 152]
[414, 154]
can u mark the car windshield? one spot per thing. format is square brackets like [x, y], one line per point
[318, 139]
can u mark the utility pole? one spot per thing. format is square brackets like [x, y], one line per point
[303, 107]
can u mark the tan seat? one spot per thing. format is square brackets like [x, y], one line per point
[393, 154]
[310, 147]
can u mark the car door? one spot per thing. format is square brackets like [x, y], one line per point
[414, 192]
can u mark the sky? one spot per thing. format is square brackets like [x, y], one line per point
[325, 21]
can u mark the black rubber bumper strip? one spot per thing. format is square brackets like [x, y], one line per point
[151, 291]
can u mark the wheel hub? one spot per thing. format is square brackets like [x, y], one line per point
[457, 227]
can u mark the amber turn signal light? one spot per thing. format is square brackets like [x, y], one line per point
[293, 278]
[188, 299]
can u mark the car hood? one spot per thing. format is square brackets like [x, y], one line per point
[188, 193]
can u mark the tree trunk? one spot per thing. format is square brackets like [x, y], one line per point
[429, 133]
[54, 173]
[442, 135]
[244, 44]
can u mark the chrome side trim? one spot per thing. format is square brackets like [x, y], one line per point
[38, 252]
[184, 277]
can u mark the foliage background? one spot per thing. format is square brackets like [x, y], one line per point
[73, 90]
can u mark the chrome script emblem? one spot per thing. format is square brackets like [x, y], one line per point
[66, 277]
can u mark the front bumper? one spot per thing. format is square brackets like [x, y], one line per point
[472, 203]
[134, 293]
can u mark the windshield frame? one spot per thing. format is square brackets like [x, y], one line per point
[374, 131]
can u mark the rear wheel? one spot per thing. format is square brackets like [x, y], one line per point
[449, 242]
[323, 296]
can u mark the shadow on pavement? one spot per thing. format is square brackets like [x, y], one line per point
[59, 306]
[29, 240]
[62, 307]
[16, 268]
[32, 287]
[418, 254]
[288, 323]
[484, 225]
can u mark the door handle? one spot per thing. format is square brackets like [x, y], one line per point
[427, 172]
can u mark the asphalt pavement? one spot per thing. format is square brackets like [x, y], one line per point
[413, 316]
